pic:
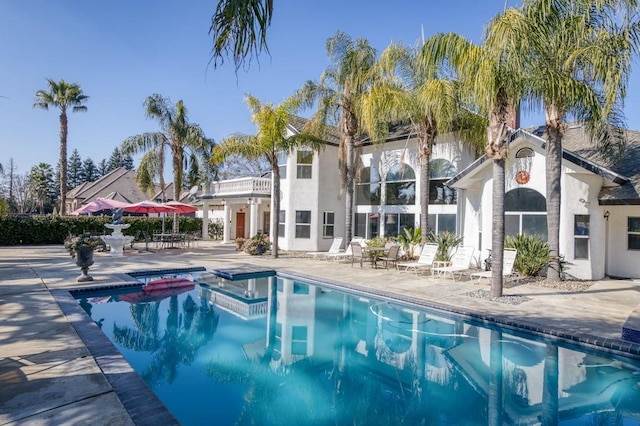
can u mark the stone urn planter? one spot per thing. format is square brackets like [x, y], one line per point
[84, 259]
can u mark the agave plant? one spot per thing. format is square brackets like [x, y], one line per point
[533, 253]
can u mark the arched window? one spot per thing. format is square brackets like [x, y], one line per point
[440, 171]
[525, 213]
[368, 187]
[400, 187]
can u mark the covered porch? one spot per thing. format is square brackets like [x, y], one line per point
[243, 203]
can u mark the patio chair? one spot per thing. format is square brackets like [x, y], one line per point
[335, 248]
[508, 259]
[424, 262]
[459, 263]
[343, 254]
[391, 256]
[357, 253]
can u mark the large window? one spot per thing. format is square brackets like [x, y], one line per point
[439, 223]
[360, 225]
[400, 186]
[633, 230]
[368, 187]
[303, 224]
[581, 236]
[367, 225]
[328, 224]
[281, 221]
[305, 159]
[396, 223]
[440, 171]
[282, 164]
[525, 213]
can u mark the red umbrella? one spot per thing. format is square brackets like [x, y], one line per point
[97, 205]
[148, 207]
[155, 294]
[181, 208]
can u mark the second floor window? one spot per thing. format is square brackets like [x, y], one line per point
[282, 164]
[305, 159]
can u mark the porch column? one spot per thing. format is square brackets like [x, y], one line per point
[226, 231]
[253, 218]
[205, 219]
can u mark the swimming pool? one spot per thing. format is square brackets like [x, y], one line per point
[278, 350]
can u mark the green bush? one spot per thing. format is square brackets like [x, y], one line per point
[39, 230]
[257, 245]
[409, 240]
[533, 253]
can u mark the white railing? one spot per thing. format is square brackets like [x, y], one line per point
[249, 185]
[234, 306]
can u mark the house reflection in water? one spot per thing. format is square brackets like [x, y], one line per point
[422, 363]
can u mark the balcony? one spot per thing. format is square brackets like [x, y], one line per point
[249, 186]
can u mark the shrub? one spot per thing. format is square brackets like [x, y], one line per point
[257, 245]
[446, 241]
[409, 240]
[73, 243]
[533, 253]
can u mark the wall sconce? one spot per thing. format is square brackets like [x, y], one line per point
[584, 202]
[607, 214]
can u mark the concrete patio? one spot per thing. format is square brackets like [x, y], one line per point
[50, 375]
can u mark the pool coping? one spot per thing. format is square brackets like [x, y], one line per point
[145, 408]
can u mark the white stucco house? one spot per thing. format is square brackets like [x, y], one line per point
[600, 212]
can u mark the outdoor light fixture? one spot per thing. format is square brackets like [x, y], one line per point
[606, 214]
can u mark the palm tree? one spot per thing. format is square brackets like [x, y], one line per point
[341, 92]
[577, 65]
[270, 140]
[494, 82]
[182, 139]
[411, 90]
[239, 29]
[63, 96]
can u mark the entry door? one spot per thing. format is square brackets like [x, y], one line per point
[240, 225]
[266, 222]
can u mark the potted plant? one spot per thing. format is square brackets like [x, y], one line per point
[81, 248]
[239, 243]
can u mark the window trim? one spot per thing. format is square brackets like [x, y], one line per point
[326, 224]
[630, 233]
[307, 225]
[304, 166]
[577, 236]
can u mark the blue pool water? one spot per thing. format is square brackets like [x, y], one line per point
[277, 351]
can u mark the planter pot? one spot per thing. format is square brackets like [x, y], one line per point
[84, 259]
[259, 249]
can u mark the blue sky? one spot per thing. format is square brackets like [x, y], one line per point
[122, 51]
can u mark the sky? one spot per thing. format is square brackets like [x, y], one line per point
[121, 51]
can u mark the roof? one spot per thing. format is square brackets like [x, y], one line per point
[578, 148]
[119, 184]
[297, 125]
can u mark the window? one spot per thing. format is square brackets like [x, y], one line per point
[633, 229]
[368, 187]
[360, 225]
[299, 340]
[328, 222]
[305, 159]
[367, 225]
[525, 213]
[439, 223]
[282, 164]
[303, 224]
[440, 171]
[281, 220]
[400, 186]
[525, 153]
[581, 236]
[395, 224]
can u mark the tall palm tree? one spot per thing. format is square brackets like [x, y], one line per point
[414, 91]
[270, 140]
[183, 140]
[239, 30]
[63, 96]
[340, 92]
[493, 81]
[577, 65]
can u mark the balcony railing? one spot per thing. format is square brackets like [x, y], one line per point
[241, 186]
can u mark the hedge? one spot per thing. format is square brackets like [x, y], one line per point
[38, 230]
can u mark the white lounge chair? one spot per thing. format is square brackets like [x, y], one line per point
[508, 259]
[424, 262]
[459, 263]
[348, 253]
[335, 248]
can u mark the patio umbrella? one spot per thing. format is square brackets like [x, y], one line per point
[147, 207]
[97, 205]
[155, 295]
[181, 208]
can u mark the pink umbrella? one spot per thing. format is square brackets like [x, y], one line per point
[97, 205]
[148, 207]
[181, 208]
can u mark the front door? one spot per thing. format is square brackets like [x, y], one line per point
[266, 222]
[240, 225]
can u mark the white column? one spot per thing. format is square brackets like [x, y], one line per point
[205, 219]
[227, 223]
[253, 218]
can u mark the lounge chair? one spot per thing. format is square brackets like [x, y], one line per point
[459, 263]
[391, 256]
[508, 259]
[343, 254]
[424, 262]
[335, 248]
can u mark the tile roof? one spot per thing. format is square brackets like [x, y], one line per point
[119, 184]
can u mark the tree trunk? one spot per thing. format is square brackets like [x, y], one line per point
[497, 232]
[495, 400]
[554, 175]
[275, 211]
[63, 162]
[348, 198]
[425, 146]
[177, 182]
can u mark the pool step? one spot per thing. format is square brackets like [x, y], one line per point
[244, 273]
[631, 327]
